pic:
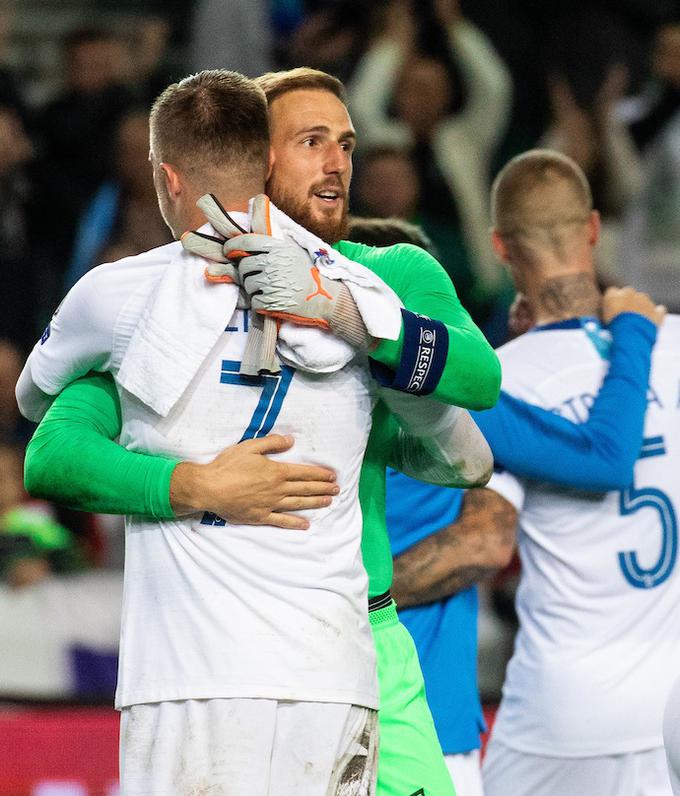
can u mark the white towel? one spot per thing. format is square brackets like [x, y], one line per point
[179, 325]
[184, 318]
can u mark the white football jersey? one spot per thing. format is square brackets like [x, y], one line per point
[212, 609]
[599, 596]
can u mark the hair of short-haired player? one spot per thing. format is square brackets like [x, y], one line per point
[387, 232]
[540, 198]
[215, 119]
[275, 84]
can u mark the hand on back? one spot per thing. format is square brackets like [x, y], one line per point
[245, 487]
[617, 300]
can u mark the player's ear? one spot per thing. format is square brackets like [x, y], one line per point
[499, 246]
[594, 227]
[173, 181]
[272, 158]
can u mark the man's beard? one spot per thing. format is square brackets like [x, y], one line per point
[330, 230]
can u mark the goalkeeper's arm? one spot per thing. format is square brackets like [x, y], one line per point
[72, 459]
[437, 443]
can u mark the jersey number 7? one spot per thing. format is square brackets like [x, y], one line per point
[274, 389]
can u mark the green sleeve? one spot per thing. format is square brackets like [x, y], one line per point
[375, 543]
[73, 460]
[472, 375]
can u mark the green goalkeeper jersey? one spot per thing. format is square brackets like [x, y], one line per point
[73, 459]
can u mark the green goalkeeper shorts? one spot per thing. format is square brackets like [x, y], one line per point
[410, 759]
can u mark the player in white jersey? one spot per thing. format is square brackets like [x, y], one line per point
[228, 633]
[599, 596]
[233, 642]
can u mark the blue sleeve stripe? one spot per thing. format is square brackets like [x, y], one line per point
[423, 357]
[652, 446]
[598, 455]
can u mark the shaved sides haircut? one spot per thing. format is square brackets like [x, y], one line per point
[214, 119]
[303, 78]
[539, 199]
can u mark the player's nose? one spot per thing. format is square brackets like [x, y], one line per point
[337, 160]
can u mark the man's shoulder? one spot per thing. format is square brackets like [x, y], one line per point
[407, 269]
[157, 258]
[375, 257]
[541, 342]
[669, 334]
[129, 271]
[527, 361]
[519, 348]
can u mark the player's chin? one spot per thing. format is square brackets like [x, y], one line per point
[329, 223]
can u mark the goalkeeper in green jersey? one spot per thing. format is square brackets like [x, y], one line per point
[72, 458]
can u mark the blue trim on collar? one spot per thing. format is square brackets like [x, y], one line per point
[569, 323]
[600, 337]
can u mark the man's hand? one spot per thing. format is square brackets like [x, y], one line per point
[282, 280]
[245, 487]
[279, 276]
[618, 300]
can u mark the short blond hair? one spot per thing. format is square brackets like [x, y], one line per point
[540, 197]
[215, 119]
[275, 84]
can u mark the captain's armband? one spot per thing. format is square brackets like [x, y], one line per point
[423, 358]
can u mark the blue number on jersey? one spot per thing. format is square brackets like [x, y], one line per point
[274, 389]
[632, 500]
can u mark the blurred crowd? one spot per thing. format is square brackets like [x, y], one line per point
[442, 93]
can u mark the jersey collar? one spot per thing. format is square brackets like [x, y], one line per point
[579, 322]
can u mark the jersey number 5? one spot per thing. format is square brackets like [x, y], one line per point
[634, 499]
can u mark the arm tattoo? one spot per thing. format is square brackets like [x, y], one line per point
[468, 550]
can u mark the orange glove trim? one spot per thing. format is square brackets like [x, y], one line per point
[296, 319]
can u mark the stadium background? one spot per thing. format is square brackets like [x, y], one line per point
[600, 82]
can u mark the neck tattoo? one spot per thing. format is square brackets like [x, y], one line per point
[568, 296]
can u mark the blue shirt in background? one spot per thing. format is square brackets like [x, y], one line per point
[445, 632]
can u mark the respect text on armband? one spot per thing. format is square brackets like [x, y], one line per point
[423, 360]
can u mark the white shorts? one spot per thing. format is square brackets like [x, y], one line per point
[466, 773]
[671, 736]
[248, 747]
[507, 772]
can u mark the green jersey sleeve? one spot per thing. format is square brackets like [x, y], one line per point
[73, 460]
[472, 374]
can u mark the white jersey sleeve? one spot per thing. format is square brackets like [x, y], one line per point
[80, 336]
[77, 340]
